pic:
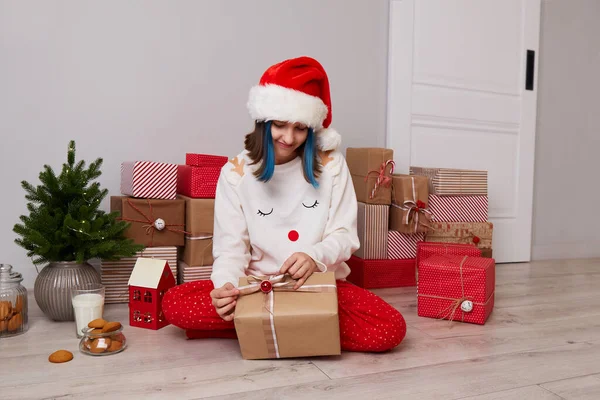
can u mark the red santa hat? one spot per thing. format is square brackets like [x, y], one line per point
[296, 90]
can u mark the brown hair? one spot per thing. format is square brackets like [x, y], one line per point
[254, 144]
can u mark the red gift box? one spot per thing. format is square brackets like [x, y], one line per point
[373, 274]
[198, 178]
[428, 249]
[457, 288]
[197, 182]
[205, 160]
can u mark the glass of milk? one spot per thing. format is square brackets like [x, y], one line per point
[88, 303]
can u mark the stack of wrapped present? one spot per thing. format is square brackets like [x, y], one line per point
[197, 183]
[458, 207]
[157, 221]
[385, 258]
[456, 271]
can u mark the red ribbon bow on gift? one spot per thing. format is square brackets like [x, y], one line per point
[150, 221]
[269, 285]
[414, 209]
[382, 178]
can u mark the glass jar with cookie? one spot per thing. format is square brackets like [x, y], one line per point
[102, 338]
[13, 303]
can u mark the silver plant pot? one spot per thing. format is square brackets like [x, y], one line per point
[52, 288]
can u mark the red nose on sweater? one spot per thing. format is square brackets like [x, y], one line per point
[293, 235]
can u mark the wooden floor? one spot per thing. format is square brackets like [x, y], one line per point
[541, 342]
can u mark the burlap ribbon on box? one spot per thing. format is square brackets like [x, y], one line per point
[150, 222]
[269, 285]
[450, 311]
[414, 209]
[382, 179]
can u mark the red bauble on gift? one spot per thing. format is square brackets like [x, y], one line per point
[457, 288]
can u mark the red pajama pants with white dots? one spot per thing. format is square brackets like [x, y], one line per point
[367, 323]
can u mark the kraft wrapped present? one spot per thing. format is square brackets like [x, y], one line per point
[272, 320]
[149, 180]
[487, 253]
[191, 273]
[458, 208]
[409, 212]
[371, 170]
[456, 288]
[375, 274]
[153, 223]
[454, 182]
[199, 223]
[475, 233]
[372, 228]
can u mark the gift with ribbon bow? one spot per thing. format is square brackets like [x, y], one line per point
[272, 320]
[371, 170]
[474, 233]
[409, 212]
[199, 222]
[456, 288]
[153, 223]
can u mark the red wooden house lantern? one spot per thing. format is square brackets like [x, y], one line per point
[149, 281]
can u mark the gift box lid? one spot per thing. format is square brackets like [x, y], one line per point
[454, 277]
[205, 160]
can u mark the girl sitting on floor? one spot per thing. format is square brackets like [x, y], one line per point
[286, 205]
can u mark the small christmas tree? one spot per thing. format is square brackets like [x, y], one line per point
[65, 223]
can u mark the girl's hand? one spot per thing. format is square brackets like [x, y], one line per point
[300, 266]
[224, 300]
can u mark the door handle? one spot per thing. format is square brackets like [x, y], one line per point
[529, 70]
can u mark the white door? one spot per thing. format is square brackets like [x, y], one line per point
[463, 93]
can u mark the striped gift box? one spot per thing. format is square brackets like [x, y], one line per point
[458, 208]
[149, 180]
[189, 273]
[453, 182]
[401, 246]
[115, 274]
[372, 227]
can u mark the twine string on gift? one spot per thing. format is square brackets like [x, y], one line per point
[414, 209]
[149, 221]
[269, 285]
[450, 311]
[382, 179]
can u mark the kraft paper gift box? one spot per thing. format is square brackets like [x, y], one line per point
[199, 223]
[454, 182]
[153, 223]
[476, 233]
[375, 274]
[456, 288]
[274, 321]
[372, 228]
[458, 208]
[409, 213]
[371, 170]
[149, 180]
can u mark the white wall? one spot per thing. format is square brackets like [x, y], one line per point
[568, 132]
[153, 80]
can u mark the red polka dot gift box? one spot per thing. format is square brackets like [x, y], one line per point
[428, 249]
[374, 274]
[457, 288]
[198, 178]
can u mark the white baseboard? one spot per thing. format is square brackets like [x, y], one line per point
[561, 251]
